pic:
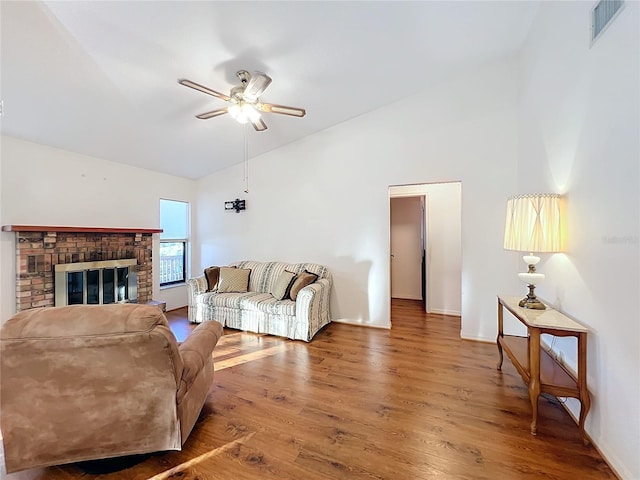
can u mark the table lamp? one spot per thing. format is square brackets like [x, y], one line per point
[533, 225]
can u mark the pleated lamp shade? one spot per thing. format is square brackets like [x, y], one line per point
[533, 223]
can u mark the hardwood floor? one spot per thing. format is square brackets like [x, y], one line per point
[415, 402]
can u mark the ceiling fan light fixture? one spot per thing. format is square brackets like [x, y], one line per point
[244, 112]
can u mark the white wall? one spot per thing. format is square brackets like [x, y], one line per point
[325, 197]
[578, 131]
[444, 253]
[406, 248]
[6, 262]
[41, 185]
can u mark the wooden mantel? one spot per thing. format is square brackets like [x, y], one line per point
[46, 228]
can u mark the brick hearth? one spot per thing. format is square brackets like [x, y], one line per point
[38, 251]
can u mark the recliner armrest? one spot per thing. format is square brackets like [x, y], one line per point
[196, 350]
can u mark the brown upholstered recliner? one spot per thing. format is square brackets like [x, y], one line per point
[88, 382]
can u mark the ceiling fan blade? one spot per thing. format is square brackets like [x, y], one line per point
[283, 110]
[257, 84]
[213, 113]
[259, 124]
[197, 86]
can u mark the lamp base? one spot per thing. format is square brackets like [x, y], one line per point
[531, 301]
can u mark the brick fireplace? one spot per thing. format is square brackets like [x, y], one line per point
[39, 249]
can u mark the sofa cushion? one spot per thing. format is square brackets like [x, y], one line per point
[233, 280]
[229, 300]
[281, 288]
[302, 280]
[212, 274]
[266, 303]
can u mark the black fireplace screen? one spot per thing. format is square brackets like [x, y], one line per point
[95, 283]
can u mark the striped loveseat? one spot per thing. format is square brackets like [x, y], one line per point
[257, 310]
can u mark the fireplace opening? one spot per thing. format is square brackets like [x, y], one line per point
[96, 283]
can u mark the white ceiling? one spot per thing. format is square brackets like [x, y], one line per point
[100, 78]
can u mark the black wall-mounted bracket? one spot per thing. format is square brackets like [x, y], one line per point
[236, 205]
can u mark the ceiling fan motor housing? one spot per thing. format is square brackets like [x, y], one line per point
[236, 93]
[244, 76]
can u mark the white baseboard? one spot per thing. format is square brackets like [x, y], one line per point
[346, 321]
[406, 297]
[478, 339]
[439, 311]
[572, 407]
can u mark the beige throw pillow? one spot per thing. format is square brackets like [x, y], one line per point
[233, 280]
[302, 280]
[283, 285]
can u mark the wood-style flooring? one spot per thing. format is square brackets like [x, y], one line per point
[413, 402]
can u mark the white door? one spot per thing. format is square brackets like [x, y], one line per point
[406, 247]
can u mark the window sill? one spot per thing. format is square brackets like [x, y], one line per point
[173, 285]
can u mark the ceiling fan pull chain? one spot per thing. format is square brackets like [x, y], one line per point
[246, 159]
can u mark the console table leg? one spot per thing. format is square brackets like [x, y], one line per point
[500, 334]
[534, 383]
[585, 401]
[533, 395]
[585, 405]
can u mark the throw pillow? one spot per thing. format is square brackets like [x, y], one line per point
[302, 280]
[233, 280]
[283, 285]
[212, 275]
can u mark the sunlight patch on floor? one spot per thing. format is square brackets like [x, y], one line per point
[249, 357]
[200, 458]
[223, 351]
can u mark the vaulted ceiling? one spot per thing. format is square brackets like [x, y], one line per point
[100, 78]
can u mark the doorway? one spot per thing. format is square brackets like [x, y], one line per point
[427, 264]
[408, 245]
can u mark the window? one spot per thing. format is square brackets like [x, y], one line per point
[174, 239]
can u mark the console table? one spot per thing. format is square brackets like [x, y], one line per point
[542, 372]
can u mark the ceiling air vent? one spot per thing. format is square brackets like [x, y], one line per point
[602, 15]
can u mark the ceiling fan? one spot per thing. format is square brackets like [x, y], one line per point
[244, 100]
